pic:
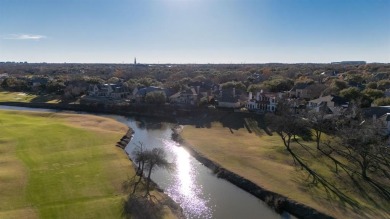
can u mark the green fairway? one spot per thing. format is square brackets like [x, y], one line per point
[61, 166]
[263, 160]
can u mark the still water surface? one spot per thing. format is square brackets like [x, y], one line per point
[198, 191]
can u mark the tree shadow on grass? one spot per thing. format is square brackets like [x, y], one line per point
[356, 178]
[137, 206]
[331, 190]
[335, 195]
[253, 123]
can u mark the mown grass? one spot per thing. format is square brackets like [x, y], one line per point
[61, 166]
[261, 158]
[6, 96]
[15, 96]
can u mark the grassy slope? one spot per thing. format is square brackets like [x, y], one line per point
[61, 166]
[263, 160]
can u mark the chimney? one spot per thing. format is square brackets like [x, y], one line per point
[250, 95]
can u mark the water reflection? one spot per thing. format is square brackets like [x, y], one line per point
[184, 189]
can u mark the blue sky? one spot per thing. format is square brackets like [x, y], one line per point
[194, 31]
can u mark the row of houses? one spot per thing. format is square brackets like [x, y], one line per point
[260, 101]
[224, 98]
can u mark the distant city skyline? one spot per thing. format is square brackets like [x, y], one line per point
[194, 31]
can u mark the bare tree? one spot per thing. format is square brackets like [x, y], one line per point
[155, 158]
[146, 206]
[140, 158]
[288, 125]
[363, 144]
[320, 122]
[365, 147]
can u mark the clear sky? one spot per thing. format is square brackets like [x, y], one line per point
[194, 31]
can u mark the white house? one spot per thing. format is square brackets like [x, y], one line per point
[262, 102]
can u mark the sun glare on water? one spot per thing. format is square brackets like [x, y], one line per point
[185, 189]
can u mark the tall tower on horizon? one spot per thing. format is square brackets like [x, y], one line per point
[135, 60]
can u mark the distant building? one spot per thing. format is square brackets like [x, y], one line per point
[135, 61]
[349, 63]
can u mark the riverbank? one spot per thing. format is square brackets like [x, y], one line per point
[276, 201]
[260, 166]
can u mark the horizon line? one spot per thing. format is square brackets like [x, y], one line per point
[189, 63]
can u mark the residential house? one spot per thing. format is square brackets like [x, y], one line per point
[186, 97]
[335, 104]
[381, 115]
[380, 76]
[204, 89]
[300, 91]
[262, 102]
[37, 83]
[387, 93]
[142, 91]
[95, 90]
[329, 73]
[228, 98]
[3, 76]
[356, 84]
[115, 91]
[119, 91]
[255, 78]
[376, 111]
[385, 121]
[326, 75]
